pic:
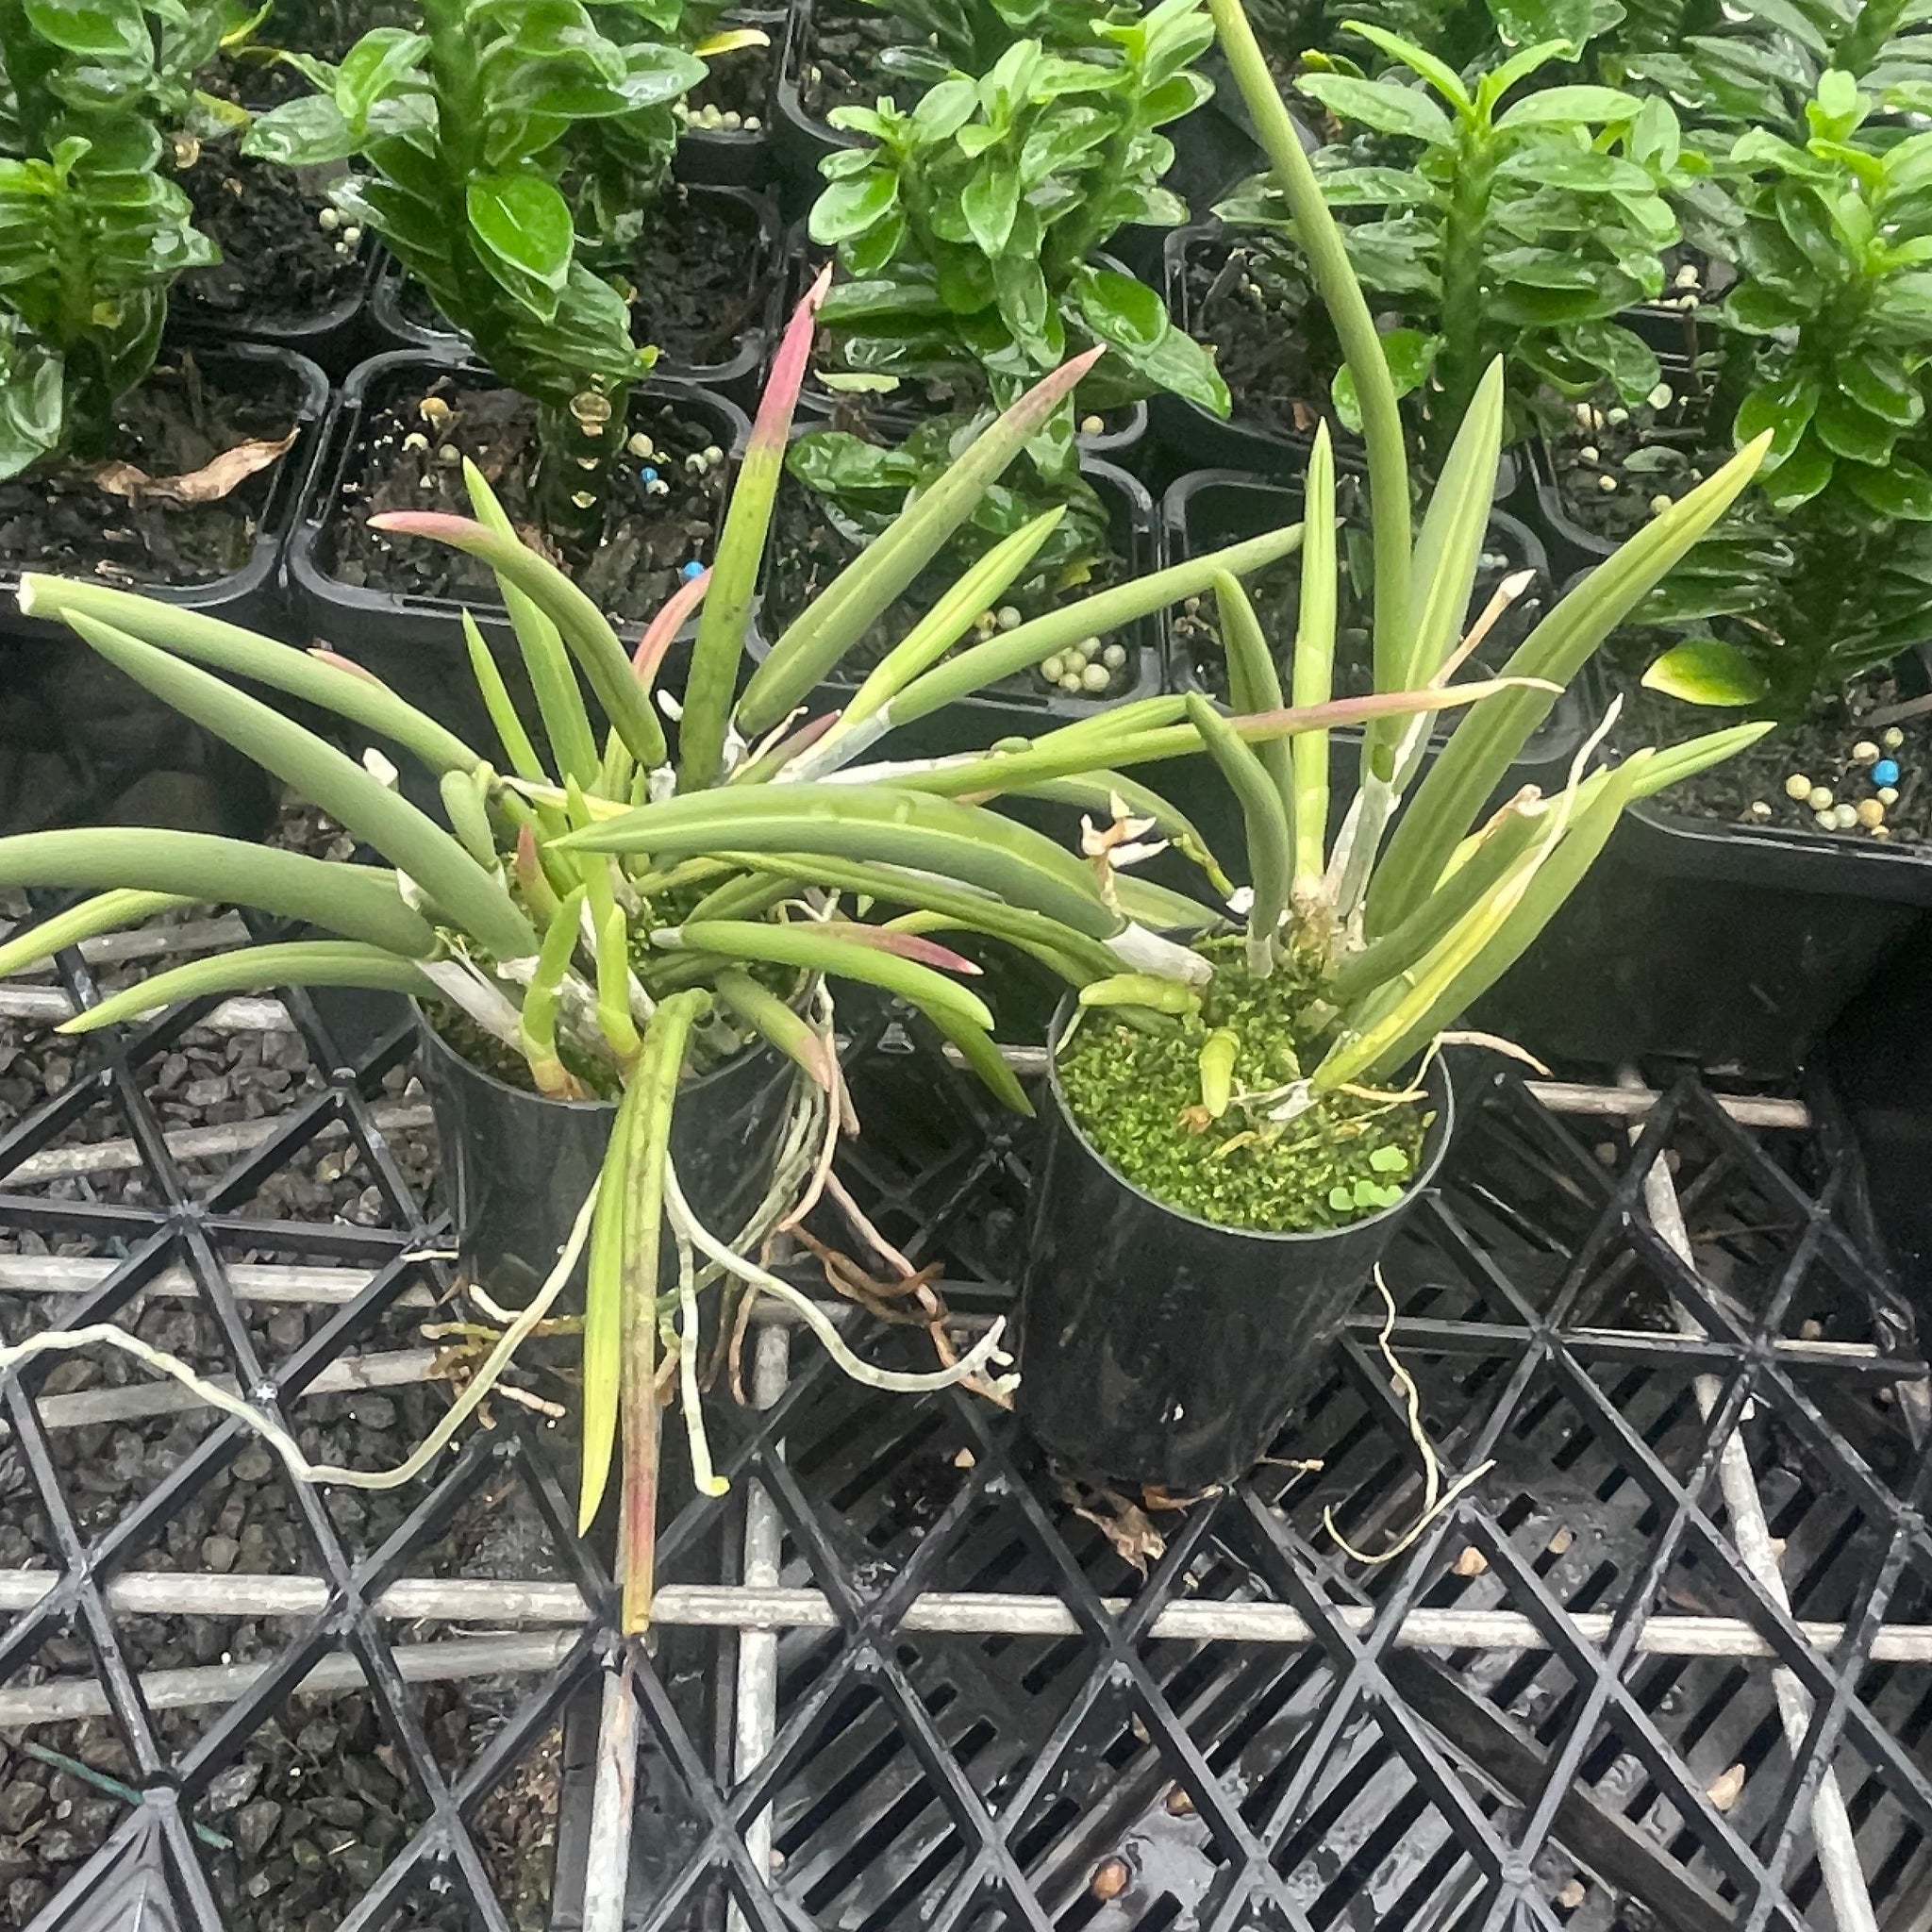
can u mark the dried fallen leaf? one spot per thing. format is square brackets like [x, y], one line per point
[964, 1459]
[208, 484]
[1127, 1526]
[1560, 1540]
[1181, 1800]
[1572, 1896]
[1110, 1879]
[1472, 1562]
[1724, 1788]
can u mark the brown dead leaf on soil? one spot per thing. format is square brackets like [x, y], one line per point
[208, 484]
[1124, 1524]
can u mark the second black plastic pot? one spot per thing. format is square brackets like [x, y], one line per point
[517, 1167]
[1159, 1349]
[1731, 946]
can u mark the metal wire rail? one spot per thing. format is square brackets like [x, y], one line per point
[1516, 1298]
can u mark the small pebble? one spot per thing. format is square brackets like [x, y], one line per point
[449, 456]
[1589, 452]
[1054, 668]
[1109, 1880]
[1686, 276]
[1094, 677]
[713, 454]
[1472, 1562]
[329, 219]
[1619, 415]
[1661, 396]
[415, 440]
[1798, 786]
[1069, 681]
[1584, 415]
[352, 238]
[753, 124]
[1660, 503]
[1726, 1790]
[659, 488]
[1865, 752]
[647, 475]
[1114, 656]
[1574, 1891]
[1888, 794]
[690, 570]
[1871, 814]
[1828, 820]
[1892, 737]
[1885, 772]
[731, 118]
[1009, 617]
[695, 464]
[641, 445]
[1820, 798]
[1091, 425]
[1075, 661]
[1760, 811]
[1607, 484]
[1881, 832]
[1844, 817]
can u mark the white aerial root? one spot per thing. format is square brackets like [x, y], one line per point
[70, 1341]
[1437, 1500]
[899, 1381]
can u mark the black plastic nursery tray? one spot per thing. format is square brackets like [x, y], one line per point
[1000, 1702]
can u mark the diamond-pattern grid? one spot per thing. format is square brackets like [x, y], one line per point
[1110, 1775]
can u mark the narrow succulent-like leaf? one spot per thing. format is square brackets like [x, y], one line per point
[578, 621]
[1320, 236]
[510, 730]
[661, 632]
[1485, 942]
[977, 909]
[1447, 553]
[1676, 762]
[601, 1365]
[1265, 818]
[463, 795]
[657, 1072]
[979, 1053]
[104, 912]
[1161, 910]
[952, 616]
[1002, 772]
[1313, 679]
[1062, 965]
[1502, 845]
[532, 880]
[835, 621]
[1472, 764]
[553, 682]
[257, 969]
[357, 901]
[537, 1030]
[1253, 684]
[411, 839]
[1108, 610]
[350, 692]
[1219, 1053]
[808, 947]
[775, 1021]
[906, 943]
[866, 821]
[1096, 790]
[613, 985]
[719, 645]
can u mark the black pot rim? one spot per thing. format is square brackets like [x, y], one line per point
[426, 1032]
[1442, 1130]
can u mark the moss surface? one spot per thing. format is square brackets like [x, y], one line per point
[1136, 1096]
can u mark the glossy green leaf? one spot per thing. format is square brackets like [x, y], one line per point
[523, 225]
[1707, 671]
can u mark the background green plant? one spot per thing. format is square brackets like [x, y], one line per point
[1496, 220]
[465, 130]
[92, 231]
[971, 35]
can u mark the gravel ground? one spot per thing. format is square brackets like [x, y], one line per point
[319, 1799]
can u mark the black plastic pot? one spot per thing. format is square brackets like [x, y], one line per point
[415, 643]
[334, 338]
[517, 1167]
[1212, 507]
[736, 375]
[1732, 946]
[1160, 1349]
[1192, 438]
[1122, 440]
[1028, 706]
[799, 141]
[736, 157]
[137, 762]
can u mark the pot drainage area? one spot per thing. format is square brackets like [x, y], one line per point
[1663, 1661]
